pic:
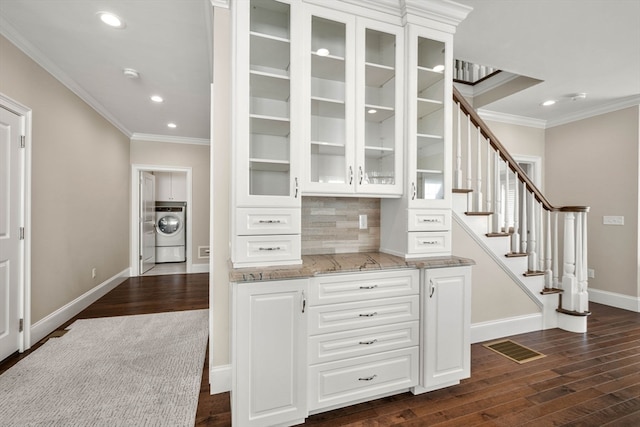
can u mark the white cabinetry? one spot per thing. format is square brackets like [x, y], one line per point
[419, 224]
[353, 114]
[266, 131]
[268, 353]
[446, 327]
[363, 336]
[171, 186]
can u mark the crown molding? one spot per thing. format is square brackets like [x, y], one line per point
[147, 137]
[618, 104]
[10, 33]
[512, 119]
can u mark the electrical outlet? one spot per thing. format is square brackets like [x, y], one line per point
[363, 222]
[613, 220]
[591, 273]
[93, 273]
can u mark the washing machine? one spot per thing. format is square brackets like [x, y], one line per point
[170, 234]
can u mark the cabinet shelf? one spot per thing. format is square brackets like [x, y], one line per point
[268, 125]
[381, 113]
[429, 171]
[377, 75]
[269, 165]
[427, 78]
[430, 136]
[326, 107]
[269, 85]
[327, 148]
[269, 52]
[329, 67]
[428, 106]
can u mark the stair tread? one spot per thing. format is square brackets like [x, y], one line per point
[531, 273]
[498, 234]
[462, 190]
[573, 313]
[548, 291]
[516, 254]
[478, 213]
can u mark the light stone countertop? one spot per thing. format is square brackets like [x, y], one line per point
[314, 265]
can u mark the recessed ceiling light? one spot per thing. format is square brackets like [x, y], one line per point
[438, 68]
[157, 98]
[130, 73]
[112, 20]
[172, 125]
[549, 102]
[322, 52]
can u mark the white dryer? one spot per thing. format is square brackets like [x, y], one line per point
[170, 234]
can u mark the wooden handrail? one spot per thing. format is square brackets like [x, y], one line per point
[504, 154]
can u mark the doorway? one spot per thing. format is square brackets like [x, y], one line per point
[15, 227]
[172, 189]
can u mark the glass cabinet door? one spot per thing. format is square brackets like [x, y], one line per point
[330, 149]
[380, 97]
[269, 127]
[430, 106]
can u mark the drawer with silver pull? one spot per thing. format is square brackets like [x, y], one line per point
[338, 288]
[360, 342]
[362, 314]
[429, 220]
[263, 221]
[256, 249]
[429, 242]
[343, 381]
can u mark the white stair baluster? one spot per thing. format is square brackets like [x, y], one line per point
[555, 256]
[507, 209]
[469, 179]
[524, 223]
[489, 183]
[495, 218]
[479, 202]
[569, 284]
[458, 174]
[548, 274]
[515, 237]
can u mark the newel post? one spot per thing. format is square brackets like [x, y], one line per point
[569, 282]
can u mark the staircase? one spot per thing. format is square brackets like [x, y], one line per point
[542, 247]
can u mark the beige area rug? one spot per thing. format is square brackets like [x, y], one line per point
[142, 370]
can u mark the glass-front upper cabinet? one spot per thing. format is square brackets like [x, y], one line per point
[429, 125]
[354, 143]
[265, 120]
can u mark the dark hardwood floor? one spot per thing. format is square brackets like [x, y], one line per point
[590, 379]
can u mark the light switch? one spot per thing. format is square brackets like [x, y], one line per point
[363, 222]
[613, 220]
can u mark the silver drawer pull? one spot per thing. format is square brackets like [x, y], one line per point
[369, 287]
[430, 220]
[369, 342]
[429, 242]
[276, 248]
[269, 221]
[368, 378]
[368, 314]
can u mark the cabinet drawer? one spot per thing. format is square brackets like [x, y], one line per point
[360, 342]
[429, 242]
[250, 250]
[353, 315]
[261, 221]
[344, 381]
[429, 220]
[363, 286]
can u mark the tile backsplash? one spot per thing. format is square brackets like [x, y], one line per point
[330, 225]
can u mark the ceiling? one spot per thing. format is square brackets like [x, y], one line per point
[573, 46]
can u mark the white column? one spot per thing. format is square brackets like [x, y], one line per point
[569, 283]
[583, 295]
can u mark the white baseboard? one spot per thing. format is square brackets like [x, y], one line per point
[220, 379]
[494, 329]
[613, 299]
[200, 268]
[44, 327]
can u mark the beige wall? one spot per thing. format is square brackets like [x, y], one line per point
[191, 156]
[220, 201]
[80, 187]
[594, 162]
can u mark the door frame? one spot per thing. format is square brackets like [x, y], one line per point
[134, 233]
[24, 286]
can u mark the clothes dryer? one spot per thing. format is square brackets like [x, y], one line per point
[170, 234]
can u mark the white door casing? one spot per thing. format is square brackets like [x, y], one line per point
[147, 226]
[11, 244]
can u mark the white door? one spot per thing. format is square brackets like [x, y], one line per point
[11, 246]
[147, 221]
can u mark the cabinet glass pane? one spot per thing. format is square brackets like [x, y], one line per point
[380, 117]
[430, 120]
[270, 90]
[328, 114]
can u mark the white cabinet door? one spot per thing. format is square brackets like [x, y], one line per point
[171, 186]
[446, 326]
[269, 353]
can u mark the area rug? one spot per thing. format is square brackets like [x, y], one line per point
[142, 370]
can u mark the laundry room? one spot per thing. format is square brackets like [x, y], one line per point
[171, 222]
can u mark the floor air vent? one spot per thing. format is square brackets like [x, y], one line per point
[514, 351]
